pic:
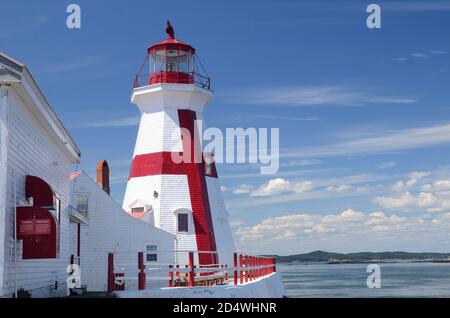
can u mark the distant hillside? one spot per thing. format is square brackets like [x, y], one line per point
[321, 256]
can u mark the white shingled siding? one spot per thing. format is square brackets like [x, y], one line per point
[4, 113]
[32, 151]
[111, 229]
[142, 189]
[222, 231]
[173, 196]
[158, 131]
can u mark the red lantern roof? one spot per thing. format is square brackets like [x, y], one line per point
[171, 43]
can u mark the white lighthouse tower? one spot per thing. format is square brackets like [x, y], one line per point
[183, 198]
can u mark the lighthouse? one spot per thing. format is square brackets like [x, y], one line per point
[182, 197]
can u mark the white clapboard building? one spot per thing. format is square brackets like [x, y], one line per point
[109, 229]
[51, 217]
[36, 154]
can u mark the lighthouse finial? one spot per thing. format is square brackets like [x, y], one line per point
[170, 31]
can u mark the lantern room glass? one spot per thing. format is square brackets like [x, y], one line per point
[165, 60]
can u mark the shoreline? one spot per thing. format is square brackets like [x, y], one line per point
[373, 261]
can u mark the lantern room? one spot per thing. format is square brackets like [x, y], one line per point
[172, 61]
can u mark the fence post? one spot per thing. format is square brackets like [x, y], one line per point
[257, 267]
[192, 272]
[249, 270]
[235, 268]
[142, 277]
[246, 268]
[261, 264]
[170, 275]
[111, 279]
[241, 272]
[258, 270]
[252, 270]
[262, 267]
[177, 274]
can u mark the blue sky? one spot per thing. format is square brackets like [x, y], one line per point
[363, 114]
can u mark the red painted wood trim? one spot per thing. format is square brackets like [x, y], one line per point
[235, 268]
[111, 279]
[170, 275]
[192, 269]
[79, 240]
[142, 279]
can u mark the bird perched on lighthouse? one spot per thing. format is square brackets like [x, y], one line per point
[180, 197]
[170, 31]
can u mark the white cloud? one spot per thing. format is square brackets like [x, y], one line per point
[70, 66]
[414, 177]
[314, 96]
[339, 189]
[280, 185]
[243, 189]
[236, 222]
[314, 189]
[440, 185]
[437, 52]
[300, 163]
[107, 123]
[387, 165]
[404, 139]
[413, 196]
[292, 232]
[348, 215]
[407, 200]
[420, 55]
[398, 186]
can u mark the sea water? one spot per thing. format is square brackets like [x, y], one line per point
[349, 280]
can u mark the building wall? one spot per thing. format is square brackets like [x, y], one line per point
[111, 229]
[173, 197]
[222, 231]
[4, 113]
[32, 151]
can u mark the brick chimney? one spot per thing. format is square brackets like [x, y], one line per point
[103, 175]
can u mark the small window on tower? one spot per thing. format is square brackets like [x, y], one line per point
[137, 210]
[183, 224]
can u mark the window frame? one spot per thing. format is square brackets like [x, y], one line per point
[84, 196]
[186, 215]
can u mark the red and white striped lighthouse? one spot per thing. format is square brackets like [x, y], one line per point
[181, 198]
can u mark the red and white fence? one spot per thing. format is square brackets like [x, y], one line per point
[246, 268]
